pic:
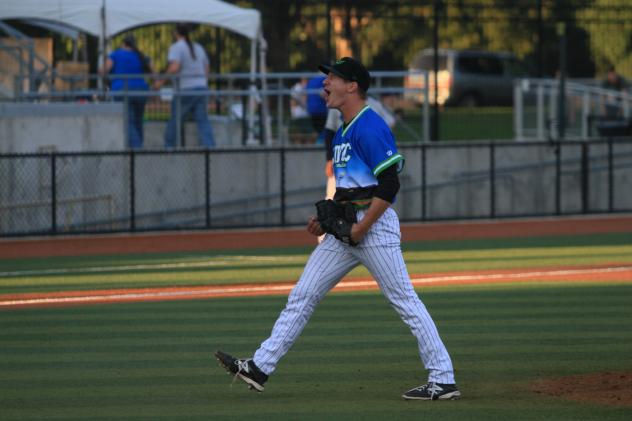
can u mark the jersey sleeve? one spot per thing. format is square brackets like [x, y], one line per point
[174, 53]
[379, 150]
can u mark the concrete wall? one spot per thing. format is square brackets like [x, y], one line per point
[64, 127]
[226, 132]
[80, 127]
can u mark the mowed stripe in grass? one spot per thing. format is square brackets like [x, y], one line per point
[263, 266]
[153, 360]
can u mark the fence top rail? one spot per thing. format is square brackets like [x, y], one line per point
[246, 85]
[247, 77]
[317, 148]
[96, 93]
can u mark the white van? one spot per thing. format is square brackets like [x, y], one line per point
[466, 77]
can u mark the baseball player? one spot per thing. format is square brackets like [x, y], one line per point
[361, 228]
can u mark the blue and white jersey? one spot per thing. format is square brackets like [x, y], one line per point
[362, 150]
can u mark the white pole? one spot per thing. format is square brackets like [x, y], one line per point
[518, 112]
[250, 140]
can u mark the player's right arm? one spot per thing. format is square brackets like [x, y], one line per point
[384, 195]
[313, 227]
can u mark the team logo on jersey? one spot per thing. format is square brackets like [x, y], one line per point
[341, 154]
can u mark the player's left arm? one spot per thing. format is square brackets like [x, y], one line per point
[384, 195]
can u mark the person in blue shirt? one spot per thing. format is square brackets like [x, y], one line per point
[316, 106]
[128, 60]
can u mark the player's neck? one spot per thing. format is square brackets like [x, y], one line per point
[351, 109]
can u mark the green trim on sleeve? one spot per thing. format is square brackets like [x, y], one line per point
[387, 163]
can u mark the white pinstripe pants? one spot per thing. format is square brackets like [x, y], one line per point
[380, 252]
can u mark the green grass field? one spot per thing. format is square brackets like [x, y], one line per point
[468, 123]
[455, 123]
[353, 361]
[269, 265]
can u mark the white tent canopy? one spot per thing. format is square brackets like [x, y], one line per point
[121, 15]
[106, 18]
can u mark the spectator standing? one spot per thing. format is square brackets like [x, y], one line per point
[189, 62]
[298, 100]
[128, 60]
[316, 106]
[614, 82]
[301, 125]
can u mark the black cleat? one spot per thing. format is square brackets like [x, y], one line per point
[433, 391]
[246, 370]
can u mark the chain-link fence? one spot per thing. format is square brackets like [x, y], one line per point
[62, 193]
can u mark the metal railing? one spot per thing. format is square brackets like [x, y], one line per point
[264, 113]
[537, 105]
[23, 53]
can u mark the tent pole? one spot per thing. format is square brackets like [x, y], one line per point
[102, 47]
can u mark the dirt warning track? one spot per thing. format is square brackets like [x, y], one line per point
[610, 273]
[169, 242]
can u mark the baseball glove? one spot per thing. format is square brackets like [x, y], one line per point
[337, 219]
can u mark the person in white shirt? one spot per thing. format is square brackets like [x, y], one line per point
[189, 62]
[298, 107]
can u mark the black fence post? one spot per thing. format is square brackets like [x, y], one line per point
[558, 178]
[53, 192]
[492, 180]
[424, 195]
[282, 156]
[132, 191]
[585, 191]
[610, 177]
[207, 184]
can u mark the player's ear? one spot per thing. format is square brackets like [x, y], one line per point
[352, 86]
